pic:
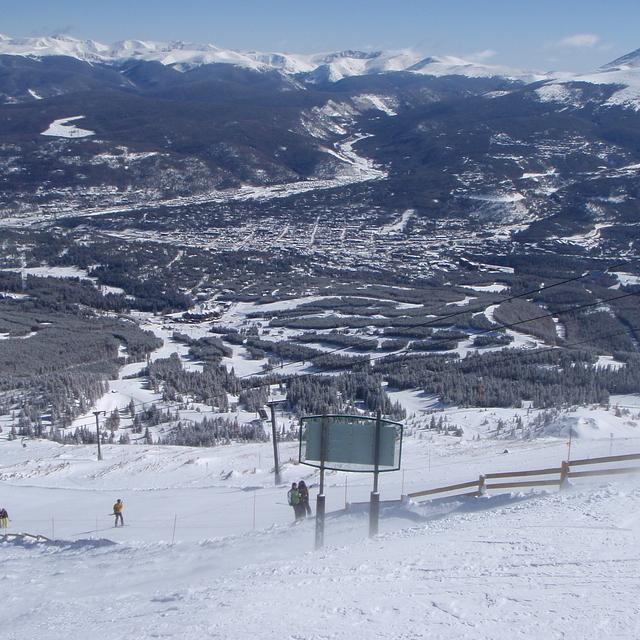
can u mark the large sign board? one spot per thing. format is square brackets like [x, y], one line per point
[349, 443]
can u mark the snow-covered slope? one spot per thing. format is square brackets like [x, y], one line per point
[321, 67]
[628, 61]
[206, 555]
[623, 72]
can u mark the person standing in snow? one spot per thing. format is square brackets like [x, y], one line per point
[303, 491]
[4, 518]
[117, 512]
[293, 498]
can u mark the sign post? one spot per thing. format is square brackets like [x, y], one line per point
[274, 436]
[96, 414]
[374, 504]
[320, 499]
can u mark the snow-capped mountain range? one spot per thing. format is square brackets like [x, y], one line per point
[326, 66]
[333, 66]
[318, 68]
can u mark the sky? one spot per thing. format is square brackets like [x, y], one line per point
[566, 35]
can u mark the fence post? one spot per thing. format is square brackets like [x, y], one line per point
[564, 475]
[482, 489]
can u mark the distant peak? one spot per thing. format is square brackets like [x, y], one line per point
[628, 60]
[356, 55]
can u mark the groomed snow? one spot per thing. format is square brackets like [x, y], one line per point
[209, 552]
[626, 278]
[487, 288]
[62, 129]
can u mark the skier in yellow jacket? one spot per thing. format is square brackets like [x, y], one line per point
[117, 512]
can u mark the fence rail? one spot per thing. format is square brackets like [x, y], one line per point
[563, 474]
[604, 472]
[453, 487]
[624, 458]
[6, 536]
[520, 474]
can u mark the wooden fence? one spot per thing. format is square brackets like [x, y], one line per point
[8, 536]
[511, 479]
[23, 536]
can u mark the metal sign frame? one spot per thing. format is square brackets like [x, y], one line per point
[350, 443]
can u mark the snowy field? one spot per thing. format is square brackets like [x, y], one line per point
[62, 129]
[209, 550]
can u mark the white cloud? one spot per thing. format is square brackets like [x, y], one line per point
[574, 43]
[482, 55]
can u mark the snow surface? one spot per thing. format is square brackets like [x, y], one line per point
[487, 288]
[59, 272]
[560, 93]
[627, 76]
[209, 551]
[398, 226]
[62, 129]
[626, 278]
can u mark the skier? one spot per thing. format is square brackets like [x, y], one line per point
[4, 518]
[293, 498]
[117, 512]
[303, 490]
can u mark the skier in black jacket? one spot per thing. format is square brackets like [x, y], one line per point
[303, 491]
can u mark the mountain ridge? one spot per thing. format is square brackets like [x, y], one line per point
[184, 56]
